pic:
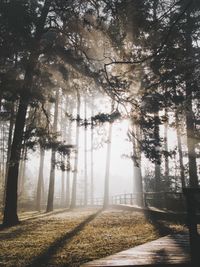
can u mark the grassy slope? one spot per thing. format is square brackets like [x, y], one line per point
[72, 238]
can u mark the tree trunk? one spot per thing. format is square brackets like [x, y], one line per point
[40, 180]
[3, 159]
[193, 178]
[63, 178]
[68, 168]
[62, 200]
[53, 159]
[10, 211]
[68, 185]
[137, 179]
[74, 184]
[50, 197]
[137, 185]
[85, 158]
[166, 174]
[92, 159]
[157, 165]
[22, 172]
[180, 152]
[107, 174]
[190, 127]
[10, 135]
[157, 178]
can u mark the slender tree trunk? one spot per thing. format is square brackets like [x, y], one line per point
[137, 176]
[40, 180]
[10, 211]
[68, 182]
[107, 174]
[3, 138]
[22, 173]
[21, 166]
[85, 158]
[157, 178]
[137, 179]
[62, 200]
[23, 177]
[157, 165]
[63, 178]
[179, 143]
[180, 152]
[156, 115]
[68, 168]
[92, 159]
[74, 184]
[166, 174]
[1, 156]
[43, 193]
[190, 127]
[53, 159]
[193, 177]
[50, 197]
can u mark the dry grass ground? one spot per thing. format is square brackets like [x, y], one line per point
[74, 237]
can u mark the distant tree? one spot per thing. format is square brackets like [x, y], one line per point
[135, 137]
[69, 109]
[166, 150]
[53, 157]
[180, 151]
[74, 182]
[85, 154]
[92, 156]
[40, 183]
[107, 170]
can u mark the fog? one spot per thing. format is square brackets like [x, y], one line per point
[121, 166]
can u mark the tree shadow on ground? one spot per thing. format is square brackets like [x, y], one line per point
[27, 225]
[35, 216]
[161, 221]
[164, 260]
[161, 224]
[44, 258]
[31, 223]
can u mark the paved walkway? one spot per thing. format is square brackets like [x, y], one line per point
[171, 250]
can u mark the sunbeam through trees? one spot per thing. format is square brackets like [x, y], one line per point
[99, 105]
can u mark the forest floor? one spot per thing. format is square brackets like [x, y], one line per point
[70, 238]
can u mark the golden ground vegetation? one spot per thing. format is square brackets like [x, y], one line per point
[70, 238]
